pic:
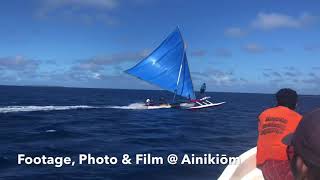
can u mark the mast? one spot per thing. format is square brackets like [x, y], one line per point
[184, 53]
[178, 80]
[181, 66]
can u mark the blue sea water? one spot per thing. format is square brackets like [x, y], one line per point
[58, 121]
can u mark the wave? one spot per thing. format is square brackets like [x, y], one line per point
[10, 109]
[51, 130]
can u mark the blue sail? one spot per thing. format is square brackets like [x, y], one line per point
[167, 67]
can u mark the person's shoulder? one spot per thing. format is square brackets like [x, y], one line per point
[269, 110]
[266, 112]
[292, 113]
[279, 110]
[296, 114]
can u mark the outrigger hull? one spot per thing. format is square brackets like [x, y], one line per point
[204, 103]
[207, 105]
[197, 104]
[189, 106]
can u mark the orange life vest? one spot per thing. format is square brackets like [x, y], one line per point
[274, 124]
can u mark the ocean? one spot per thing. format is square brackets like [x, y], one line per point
[56, 121]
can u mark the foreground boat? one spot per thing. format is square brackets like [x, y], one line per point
[246, 170]
[167, 67]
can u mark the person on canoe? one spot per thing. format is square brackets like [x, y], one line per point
[304, 148]
[148, 102]
[203, 89]
[274, 124]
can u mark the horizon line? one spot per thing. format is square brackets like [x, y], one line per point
[77, 87]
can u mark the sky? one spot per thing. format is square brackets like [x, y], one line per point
[233, 45]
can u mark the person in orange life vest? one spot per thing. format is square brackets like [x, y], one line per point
[274, 124]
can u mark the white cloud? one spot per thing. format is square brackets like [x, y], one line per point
[312, 48]
[215, 76]
[97, 64]
[87, 11]
[269, 21]
[18, 63]
[97, 76]
[223, 52]
[254, 48]
[235, 32]
[199, 53]
[48, 5]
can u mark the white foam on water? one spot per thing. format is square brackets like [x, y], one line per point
[140, 106]
[13, 109]
[51, 131]
[10, 109]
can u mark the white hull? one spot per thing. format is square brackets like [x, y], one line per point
[207, 105]
[246, 170]
[199, 104]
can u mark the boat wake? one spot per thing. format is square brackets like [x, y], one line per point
[14, 109]
[11, 109]
[140, 106]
